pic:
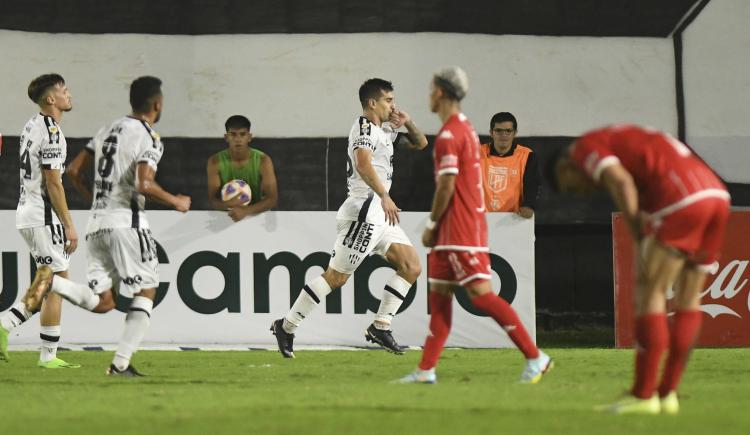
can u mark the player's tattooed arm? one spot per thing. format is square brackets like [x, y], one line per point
[147, 185]
[56, 194]
[416, 139]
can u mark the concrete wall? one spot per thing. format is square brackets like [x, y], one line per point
[717, 87]
[306, 85]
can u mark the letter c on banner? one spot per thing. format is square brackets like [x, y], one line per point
[363, 299]
[508, 285]
[229, 267]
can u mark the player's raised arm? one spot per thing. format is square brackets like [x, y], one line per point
[416, 139]
[146, 185]
[76, 173]
[363, 166]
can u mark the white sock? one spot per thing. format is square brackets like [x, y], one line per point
[394, 292]
[136, 324]
[50, 336]
[15, 316]
[308, 299]
[78, 294]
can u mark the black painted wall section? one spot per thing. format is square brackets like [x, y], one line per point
[573, 235]
[197, 17]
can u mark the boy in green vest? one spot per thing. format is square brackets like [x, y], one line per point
[239, 161]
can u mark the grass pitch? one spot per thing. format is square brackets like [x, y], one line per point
[347, 392]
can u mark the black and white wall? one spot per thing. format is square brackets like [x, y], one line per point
[294, 67]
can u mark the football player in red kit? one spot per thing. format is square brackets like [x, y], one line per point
[677, 210]
[457, 234]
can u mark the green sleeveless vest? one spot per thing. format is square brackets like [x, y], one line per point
[250, 172]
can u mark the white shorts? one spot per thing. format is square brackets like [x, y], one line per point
[127, 254]
[357, 240]
[47, 246]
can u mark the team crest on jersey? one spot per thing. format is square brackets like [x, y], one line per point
[497, 178]
[53, 129]
[364, 126]
[155, 135]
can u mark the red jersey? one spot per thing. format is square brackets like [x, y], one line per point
[463, 226]
[667, 174]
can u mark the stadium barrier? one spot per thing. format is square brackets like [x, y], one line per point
[725, 301]
[223, 283]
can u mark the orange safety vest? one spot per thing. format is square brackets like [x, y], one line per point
[503, 178]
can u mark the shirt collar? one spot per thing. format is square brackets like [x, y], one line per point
[493, 151]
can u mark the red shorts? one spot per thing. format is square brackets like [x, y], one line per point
[697, 229]
[458, 267]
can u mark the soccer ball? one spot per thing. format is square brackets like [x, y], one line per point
[236, 188]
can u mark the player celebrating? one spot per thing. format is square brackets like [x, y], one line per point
[367, 220]
[457, 233]
[42, 216]
[677, 210]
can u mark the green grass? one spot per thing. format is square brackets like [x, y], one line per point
[346, 392]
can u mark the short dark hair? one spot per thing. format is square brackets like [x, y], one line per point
[373, 88]
[503, 117]
[39, 87]
[143, 90]
[237, 121]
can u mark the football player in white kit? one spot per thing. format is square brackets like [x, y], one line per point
[118, 239]
[367, 220]
[42, 216]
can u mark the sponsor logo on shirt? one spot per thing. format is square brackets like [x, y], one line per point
[497, 178]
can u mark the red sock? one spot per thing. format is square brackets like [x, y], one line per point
[507, 318]
[441, 307]
[652, 337]
[685, 328]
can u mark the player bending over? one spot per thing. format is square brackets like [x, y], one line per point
[677, 210]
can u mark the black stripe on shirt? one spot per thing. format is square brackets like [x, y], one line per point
[150, 132]
[362, 217]
[135, 220]
[47, 210]
[49, 122]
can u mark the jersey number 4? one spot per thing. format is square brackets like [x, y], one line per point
[26, 164]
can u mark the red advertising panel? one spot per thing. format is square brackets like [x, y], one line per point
[725, 301]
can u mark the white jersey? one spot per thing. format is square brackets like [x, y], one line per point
[118, 149]
[43, 146]
[362, 204]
